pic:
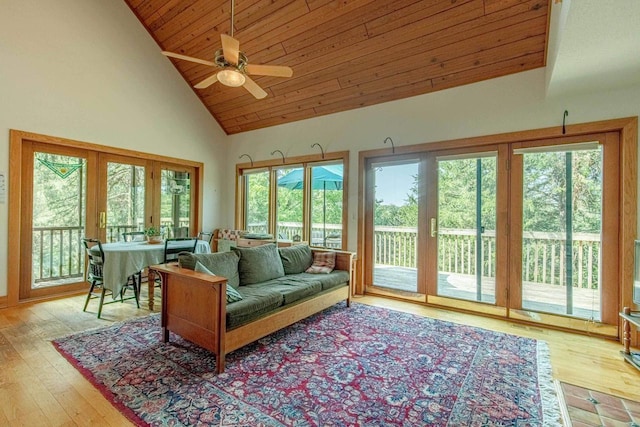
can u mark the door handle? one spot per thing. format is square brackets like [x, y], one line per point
[103, 220]
[434, 227]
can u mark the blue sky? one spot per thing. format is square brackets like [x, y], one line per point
[393, 183]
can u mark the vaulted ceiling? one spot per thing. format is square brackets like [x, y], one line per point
[346, 54]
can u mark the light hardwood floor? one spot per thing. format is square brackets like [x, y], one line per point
[38, 387]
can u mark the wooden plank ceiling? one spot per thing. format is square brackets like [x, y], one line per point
[346, 54]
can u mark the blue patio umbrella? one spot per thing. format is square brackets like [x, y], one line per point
[328, 177]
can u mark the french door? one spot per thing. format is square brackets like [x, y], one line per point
[516, 229]
[71, 192]
[56, 212]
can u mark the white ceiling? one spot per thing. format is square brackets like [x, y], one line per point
[596, 44]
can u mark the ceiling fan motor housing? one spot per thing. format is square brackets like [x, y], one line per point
[223, 63]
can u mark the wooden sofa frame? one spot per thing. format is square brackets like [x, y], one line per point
[194, 307]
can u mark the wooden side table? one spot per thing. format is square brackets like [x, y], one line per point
[629, 318]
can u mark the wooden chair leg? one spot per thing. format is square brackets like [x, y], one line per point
[86, 303]
[101, 301]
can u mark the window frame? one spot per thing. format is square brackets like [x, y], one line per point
[306, 162]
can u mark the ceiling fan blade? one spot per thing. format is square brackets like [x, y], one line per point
[188, 58]
[207, 82]
[230, 49]
[253, 88]
[269, 70]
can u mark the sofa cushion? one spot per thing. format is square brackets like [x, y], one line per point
[328, 281]
[232, 294]
[291, 288]
[259, 264]
[323, 262]
[256, 301]
[223, 264]
[296, 258]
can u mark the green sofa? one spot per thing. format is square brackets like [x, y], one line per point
[223, 301]
[267, 277]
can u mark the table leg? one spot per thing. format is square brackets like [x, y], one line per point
[151, 282]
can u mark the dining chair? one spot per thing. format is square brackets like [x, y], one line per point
[95, 269]
[172, 247]
[207, 236]
[133, 236]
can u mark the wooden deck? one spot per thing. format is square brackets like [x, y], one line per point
[537, 296]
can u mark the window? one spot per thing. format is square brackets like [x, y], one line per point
[302, 200]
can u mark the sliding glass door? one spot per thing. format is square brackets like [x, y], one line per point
[465, 226]
[527, 230]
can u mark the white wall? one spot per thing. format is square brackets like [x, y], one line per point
[506, 104]
[87, 70]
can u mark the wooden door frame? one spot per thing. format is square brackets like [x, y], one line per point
[627, 129]
[610, 226]
[17, 185]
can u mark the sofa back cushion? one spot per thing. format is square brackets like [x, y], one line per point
[232, 294]
[259, 264]
[223, 264]
[296, 258]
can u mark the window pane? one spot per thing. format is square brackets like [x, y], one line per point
[175, 204]
[396, 226]
[467, 228]
[59, 189]
[326, 205]
[125, 199]
[561, 232]
[289, 203]
[257, 202]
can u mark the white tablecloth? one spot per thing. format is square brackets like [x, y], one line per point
[122, 259]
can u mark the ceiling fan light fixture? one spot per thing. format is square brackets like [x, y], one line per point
[231, 78]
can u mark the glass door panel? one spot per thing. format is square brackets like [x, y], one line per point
[256, 202]
[326, 206]
[176, 210]
[561, 230]
[289, 203]
[395, 225]
[125, 199]
[466, 227]
[58, 219]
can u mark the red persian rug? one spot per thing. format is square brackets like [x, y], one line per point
[358, 366]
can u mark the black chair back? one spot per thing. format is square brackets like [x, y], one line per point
[172, 247]
[207, 236]
[96, 260]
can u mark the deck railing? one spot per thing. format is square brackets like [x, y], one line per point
[543, 254]
[58, 252]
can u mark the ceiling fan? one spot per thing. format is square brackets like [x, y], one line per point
[234, 67]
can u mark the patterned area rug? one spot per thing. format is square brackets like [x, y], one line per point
[344, 366]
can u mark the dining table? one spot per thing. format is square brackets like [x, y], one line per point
[124, 259]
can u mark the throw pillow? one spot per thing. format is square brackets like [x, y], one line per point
[232, 294]
[296, 258]
[323, 262]
[259, 264]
